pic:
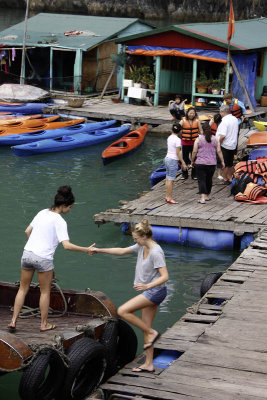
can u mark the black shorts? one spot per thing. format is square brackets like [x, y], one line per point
[228, 156]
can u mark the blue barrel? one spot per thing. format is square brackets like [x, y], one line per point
[201, 238]
[165, 358]
[258, 153]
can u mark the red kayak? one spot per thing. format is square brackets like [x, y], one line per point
[124, 146]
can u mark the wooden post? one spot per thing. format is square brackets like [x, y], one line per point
[77, 81]
[242, 85]
[194, 78]
[51, 69]
[22, 71]
[157, 81]
[106, 84]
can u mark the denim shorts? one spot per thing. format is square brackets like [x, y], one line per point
[156, 294]
[31, 261]
[171, 168]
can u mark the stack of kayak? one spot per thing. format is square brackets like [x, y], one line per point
[69, 129]
[70, 140]
[124, 146]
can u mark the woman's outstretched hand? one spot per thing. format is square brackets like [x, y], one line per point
[92, 249]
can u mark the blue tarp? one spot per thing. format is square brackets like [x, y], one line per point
[199, 52]
[247, 68]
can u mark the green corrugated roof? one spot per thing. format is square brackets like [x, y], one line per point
[249, 34]
[47, 29]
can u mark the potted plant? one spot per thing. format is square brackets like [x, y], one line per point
[135, 75]
[215, 86]
[144, 76]
[151, 82]
[202, 83]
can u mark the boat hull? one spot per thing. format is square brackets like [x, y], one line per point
[37, 125]
[30, 137]
[23, 108]
[257, 139]
[125, 145]
[68, 142]
[91, 309]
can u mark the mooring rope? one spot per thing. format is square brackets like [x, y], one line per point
[30, 312]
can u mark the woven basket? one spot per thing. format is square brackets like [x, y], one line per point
[73, 102]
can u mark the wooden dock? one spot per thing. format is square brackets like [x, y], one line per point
[222, 347]
[104, 109]
[221, 213]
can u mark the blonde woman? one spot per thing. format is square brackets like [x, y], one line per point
[150, 276]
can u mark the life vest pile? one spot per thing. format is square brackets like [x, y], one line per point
[256, 172]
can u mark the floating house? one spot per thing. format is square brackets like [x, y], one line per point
[65, 52]
[179, 55]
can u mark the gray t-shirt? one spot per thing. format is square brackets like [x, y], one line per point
[146, 270]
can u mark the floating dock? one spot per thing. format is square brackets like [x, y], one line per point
[221, 213]
[221, 349]
[103, 109]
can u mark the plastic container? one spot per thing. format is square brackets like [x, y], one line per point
[126, 100]
[165, 358]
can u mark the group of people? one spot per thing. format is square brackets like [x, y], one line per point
[202, 147]
[48, 229]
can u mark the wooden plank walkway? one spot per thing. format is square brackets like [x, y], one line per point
[223, 346]
[95, 108]
[221, 213]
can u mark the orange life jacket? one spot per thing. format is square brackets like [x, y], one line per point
[245, 167]
[235, 109]
[190, 132]
[261, 168]
[253, 190]
[213, 128]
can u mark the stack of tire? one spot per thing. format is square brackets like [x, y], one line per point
[91, 363]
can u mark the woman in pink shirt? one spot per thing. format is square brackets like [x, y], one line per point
[204, 158]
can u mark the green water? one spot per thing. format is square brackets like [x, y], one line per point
[29, 184]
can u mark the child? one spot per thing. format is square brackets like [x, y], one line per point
[176, 108]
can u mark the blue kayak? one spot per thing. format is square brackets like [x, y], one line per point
[23, 108]
[29, 137]
[69, 142]
[159, 174]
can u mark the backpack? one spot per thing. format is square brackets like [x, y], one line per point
[240, 184]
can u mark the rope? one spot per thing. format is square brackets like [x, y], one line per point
[29, 312]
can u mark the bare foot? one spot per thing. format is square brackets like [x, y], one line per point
[47, 327]
[11, 327]
[144, 368]
[151, 339]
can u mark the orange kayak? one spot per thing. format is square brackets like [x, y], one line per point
[257, 139]
[125, 145]
[6, 119]
[31, 123]
[5, 113]
[39, 125]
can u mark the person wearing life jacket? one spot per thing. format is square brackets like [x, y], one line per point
[214, 123]
[191, 128]
[236, 106]
[227, 134]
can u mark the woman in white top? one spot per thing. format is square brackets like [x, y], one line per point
[150, 276]
[44, 233]
[171, 161]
